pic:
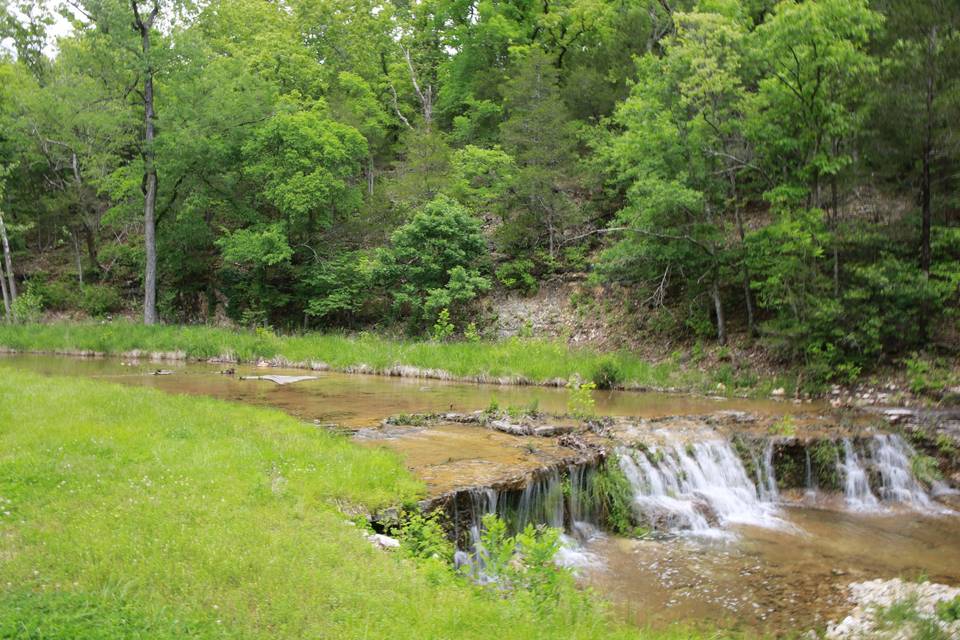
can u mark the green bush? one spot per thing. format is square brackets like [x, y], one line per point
[28, 307]
[57, 295]
[607, 374]
[580, 403]
[99, 299]
[518, 274]
[443, 328]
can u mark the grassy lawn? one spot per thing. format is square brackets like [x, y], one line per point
[534, 360]
[128, 513]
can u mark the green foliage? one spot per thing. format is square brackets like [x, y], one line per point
[470, 332]
[905, 615]
[27, 308]
[611, 492]
[422, 536]
[339, 289]
[434, 262]
[518, 274]
[607, 374]
[523, 565]
[785, 426]
[949, 610]
[925, 469]
[442, 328]
[926, 375]
[99, 299]
[580, 402]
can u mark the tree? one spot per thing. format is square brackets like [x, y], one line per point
[306, 166]
[814, 68]
[538, 135]
[915, 138]
[434, 262]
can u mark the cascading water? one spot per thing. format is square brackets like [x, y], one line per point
[690, 486]
[555, 499]
[766, 479]
[856, 485]
[886, 458]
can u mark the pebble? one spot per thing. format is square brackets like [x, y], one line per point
[868, 597]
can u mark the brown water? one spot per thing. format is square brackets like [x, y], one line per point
[773, 580]
[767, 580]
[364, 400]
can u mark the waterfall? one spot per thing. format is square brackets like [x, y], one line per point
[856, 485]
[891, 457]
[556, 499]
[694, 485]
[810, 480]
[766, 479]
[884, 459]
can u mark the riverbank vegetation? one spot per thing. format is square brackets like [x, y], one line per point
[533, 361]
[776, 173]
[127, 513]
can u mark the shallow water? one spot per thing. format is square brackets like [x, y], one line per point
[364, 400]
[776, 579]
[773, 579]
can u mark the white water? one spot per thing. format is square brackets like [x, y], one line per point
[856, 485]
[695, 486]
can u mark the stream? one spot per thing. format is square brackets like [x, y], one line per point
[762, 534]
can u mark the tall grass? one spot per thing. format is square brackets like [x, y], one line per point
[128, 513]
[536, 361]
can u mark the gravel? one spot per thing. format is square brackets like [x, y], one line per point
[869, 598]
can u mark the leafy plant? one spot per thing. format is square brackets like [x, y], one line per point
[580, 402]
[607, 374]
[442, 328]
[517, 274]
[422, 536]
[785, 426]
[27, 308]
[925, 469]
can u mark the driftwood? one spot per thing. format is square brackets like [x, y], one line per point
[280, 379]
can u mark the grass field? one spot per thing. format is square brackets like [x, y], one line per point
[128, 513]
[533, 360]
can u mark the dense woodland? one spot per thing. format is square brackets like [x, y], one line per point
[779, 171]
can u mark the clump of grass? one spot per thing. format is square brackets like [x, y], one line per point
[785, 426]
[139, 514]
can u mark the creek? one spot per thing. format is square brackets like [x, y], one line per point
[745, 527]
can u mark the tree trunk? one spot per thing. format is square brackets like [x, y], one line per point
[835, 205]
[7, 310]
[718, 306]
[747, 295]
[8, 261]
[76, 250]
[149, 169]
[927, 156]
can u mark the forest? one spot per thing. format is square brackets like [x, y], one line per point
[778, 173]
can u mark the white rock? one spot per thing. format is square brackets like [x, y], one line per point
[779, 391]
[381, 541]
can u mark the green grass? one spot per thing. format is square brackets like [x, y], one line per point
[128, 513]
[534, 360]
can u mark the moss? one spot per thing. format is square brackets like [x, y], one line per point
[823, 458]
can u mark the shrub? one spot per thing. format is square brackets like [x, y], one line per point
[517, 274]
[470, 333]
[28, 307]
[607, 374]
[422, 536]
[99, 299]
[580, 403]
[443, 328]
